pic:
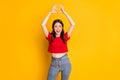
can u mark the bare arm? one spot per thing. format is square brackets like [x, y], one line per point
[45, 30]
[70, 20]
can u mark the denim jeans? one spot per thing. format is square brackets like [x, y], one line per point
[59, 64]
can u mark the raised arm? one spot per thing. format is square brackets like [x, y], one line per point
[70, 20]
[45, 30]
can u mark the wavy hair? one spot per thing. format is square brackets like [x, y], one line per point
[53, 31]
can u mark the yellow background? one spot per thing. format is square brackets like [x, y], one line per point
[94, 46]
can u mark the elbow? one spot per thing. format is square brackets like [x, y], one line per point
[42, 25]
[73, 24]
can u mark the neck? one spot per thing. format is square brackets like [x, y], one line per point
[57, 35]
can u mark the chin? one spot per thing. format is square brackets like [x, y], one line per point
[58, 33]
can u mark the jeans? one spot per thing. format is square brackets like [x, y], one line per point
[62, 65]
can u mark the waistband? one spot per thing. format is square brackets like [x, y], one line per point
[61, 58]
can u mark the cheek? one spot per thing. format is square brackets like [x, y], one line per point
[61, 29]
[55, 28]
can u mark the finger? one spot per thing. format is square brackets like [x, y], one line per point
[54, 12]
[54, 5]
[61, 5]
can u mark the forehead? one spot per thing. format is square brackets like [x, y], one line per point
[57, 23]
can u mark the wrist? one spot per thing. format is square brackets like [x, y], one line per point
[50, 13]
[64, 12]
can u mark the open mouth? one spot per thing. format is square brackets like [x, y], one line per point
[58, 31]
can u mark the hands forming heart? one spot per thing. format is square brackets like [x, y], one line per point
[55, 9]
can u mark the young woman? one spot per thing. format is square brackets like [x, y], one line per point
[58, 45]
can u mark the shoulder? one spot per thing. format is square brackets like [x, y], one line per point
[66, 36]
[49, 36]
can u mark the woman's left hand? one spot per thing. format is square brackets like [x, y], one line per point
[62, 9]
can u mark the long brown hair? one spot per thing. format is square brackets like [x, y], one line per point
[53, 31]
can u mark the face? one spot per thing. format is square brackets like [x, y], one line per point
[58, 28]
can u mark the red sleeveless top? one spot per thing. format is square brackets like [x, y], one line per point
[57, 46]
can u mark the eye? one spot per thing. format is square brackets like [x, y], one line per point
[55, 26]
[60, 26]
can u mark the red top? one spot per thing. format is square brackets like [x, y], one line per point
[57, 46]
